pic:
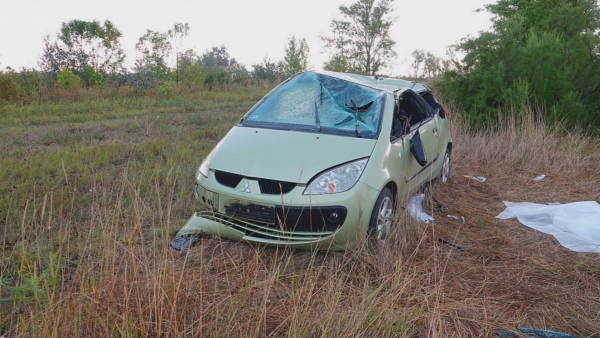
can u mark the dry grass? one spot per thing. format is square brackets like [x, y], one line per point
[101, 266]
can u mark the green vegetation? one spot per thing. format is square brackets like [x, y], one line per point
[86, 48]
[97, 175]
[361, 41]
[294, 61]
[540, 53]
[95, 186]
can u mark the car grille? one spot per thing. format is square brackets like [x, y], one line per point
[290, 219]
[251, 212]
[264, 231]
[269, 187]
[275, 187]
[228, 179]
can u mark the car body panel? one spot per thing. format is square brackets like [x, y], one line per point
[299, 155]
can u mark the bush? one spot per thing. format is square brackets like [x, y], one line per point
[9, 88]
[93, 77]
[193, 74]
[538, 52]
[66, 79]
[166, 90]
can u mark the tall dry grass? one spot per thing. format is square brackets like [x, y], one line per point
[114, 274]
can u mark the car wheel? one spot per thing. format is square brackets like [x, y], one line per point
[446, 167]
[381, 218]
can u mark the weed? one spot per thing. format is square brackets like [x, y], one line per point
[93, 188]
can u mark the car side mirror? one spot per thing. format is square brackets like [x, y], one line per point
[441, 111]
[417, 149]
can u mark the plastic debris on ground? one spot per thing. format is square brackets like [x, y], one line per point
[457, 218]
[185, 242]
[576, 225]
[533, 333]
[479, 179]
[536, 333]
[539, 178]
[415, 207]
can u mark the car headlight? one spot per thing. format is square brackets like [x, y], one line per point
[205, 165]
[338, 179]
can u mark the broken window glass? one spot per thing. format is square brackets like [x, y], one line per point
[336, 104]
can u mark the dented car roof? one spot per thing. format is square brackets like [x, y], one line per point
[389, 84]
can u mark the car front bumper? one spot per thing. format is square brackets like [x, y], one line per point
[312, 222]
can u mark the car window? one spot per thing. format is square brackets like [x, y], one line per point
[337, 103]
[413, 109]
[430, 101]
[397, 124]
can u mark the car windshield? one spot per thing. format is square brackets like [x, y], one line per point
[321, 103]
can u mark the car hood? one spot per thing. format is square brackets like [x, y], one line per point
[283, 155]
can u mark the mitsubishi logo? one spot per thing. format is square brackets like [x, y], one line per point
[246, 188]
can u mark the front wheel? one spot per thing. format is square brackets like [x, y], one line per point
[381, 217]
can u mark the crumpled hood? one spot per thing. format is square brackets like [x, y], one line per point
[291, 156]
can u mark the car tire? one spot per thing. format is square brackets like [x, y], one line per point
[381, 217]
[445, 174]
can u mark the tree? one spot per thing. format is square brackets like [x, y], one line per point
[156, 47]
[541, 52]
[220, 67]
[361, 40]
[217, 57]
[432, 66]
[81, 46]
[296, 56]
[269, 70]
[419, 58]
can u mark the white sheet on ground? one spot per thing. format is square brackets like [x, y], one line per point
[575, 225]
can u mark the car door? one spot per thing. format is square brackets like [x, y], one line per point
[424, 127]
[404, 164]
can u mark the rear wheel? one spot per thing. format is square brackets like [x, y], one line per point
[446, 167]
[381, 217]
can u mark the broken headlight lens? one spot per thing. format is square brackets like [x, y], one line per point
[338, 179]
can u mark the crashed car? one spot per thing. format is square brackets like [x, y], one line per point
[321, 162]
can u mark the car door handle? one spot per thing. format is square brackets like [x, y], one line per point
[435, 132]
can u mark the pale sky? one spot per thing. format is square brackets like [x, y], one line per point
[250, 29]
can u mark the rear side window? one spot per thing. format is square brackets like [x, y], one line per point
[431, 101]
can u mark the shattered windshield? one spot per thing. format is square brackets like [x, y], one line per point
[321, 103]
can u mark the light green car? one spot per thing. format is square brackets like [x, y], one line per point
[320, 162]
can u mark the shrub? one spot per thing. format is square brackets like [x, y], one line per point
[66, 79]
[9, 88]
[166, 90]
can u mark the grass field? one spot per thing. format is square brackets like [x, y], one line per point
[93, 189]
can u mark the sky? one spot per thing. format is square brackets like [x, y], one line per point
[250, 29]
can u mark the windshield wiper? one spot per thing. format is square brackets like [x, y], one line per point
[317, 119]
[321, 93]
[356, 118]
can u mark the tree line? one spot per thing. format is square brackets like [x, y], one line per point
[543, 54]
[89, 54]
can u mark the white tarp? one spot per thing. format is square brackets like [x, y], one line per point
[575, 225]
